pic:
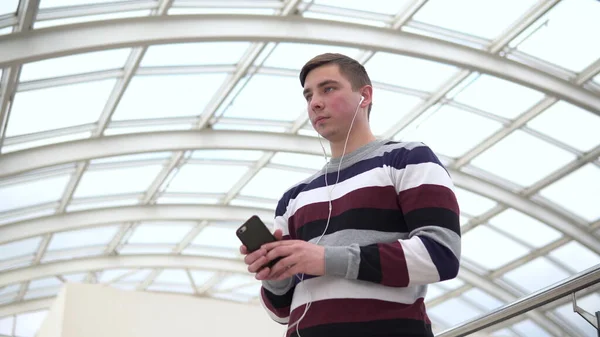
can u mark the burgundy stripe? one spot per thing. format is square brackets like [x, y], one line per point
[279, 312]
[394, 271]
[380, 197]
[357, 310]
[426, 196]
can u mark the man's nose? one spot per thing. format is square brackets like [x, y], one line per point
[316, 104]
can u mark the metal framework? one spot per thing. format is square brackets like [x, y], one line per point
[24, 278]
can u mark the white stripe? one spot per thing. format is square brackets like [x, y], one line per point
[332, 287]
[419, 174]
[421, 269]
[274, 317]
[280, 222]
[379, 176]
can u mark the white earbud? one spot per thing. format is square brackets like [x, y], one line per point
[362, 98]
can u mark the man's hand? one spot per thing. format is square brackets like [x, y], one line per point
[297, 257]
[257, 259]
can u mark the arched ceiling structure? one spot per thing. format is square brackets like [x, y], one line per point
[137, 135]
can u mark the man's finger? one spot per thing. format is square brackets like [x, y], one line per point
[263, 274]
[243, 250]
[271, 245]
[278, 234]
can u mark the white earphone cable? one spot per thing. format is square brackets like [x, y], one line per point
[329, 193]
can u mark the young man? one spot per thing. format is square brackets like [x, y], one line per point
[360, 240]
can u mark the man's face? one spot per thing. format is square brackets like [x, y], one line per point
[331, 102]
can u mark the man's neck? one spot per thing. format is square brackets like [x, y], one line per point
[356, 141]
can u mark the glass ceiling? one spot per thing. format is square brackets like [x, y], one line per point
[116, 155]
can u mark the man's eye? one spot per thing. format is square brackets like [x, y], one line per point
[328, 89]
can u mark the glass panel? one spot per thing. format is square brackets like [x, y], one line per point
[75, 278]
[227, 154]
[217, 236]
[375, 6]
[483, 94]
[468, 131]
[529, 229]
[13, 288]
[389, 108]
[298, 159]
[552, 122]
[471, 203]
[132, 157]
[26, 216]
[528, 328]
[344, 18]
[5, 31]
[83, 252]
[75, 64]
[58, 107]
[172, 232]
[151, 128]
[248, 127]
[509, 160]
[577, 192]
[83, 237]
[173, 276]
[117, 181]
[68, 3]
[102, 204]
[504, 333]
[554, 40]
[174, 288]
[251, 103]
[159, 96]
[575, 256]
[45, 282]
[233, 281]
[451, 284]
[272, 183]
[9, 7]
[588, 303]
[434, 291]
[295, 55]
[134, 250]
[201, 277]
[546, 274]
[28, 324]
[482, 299]
[213, 252]
[487, 19]
[41, 293]
[46, 141]
[225, 10]
[408, 72]
[6, 324]
[19, 248]
[187, 200]
[250, 290]
[481, 245]
[90, 18]
[20, 195]
[111, 275]
[251, 203]
[206, 178]
[455, 311]
[194, 54]
[139, 276]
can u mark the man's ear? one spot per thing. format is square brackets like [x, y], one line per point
[367, 93]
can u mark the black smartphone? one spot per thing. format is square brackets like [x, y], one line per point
[254, 233]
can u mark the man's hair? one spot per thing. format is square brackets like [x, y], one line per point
[353, 71]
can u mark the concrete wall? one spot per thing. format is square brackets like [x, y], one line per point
[99, 311]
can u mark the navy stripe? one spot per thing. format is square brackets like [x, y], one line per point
[370, 265]
[433, 216]
[446, 263]
[378, 328]
[280, 302]
[397, 158]
[383, 220]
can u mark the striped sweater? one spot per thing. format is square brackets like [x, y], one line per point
[394, 228]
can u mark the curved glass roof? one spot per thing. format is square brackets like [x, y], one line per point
[136, 135]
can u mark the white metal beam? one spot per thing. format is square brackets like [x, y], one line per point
[121, 261]
[22, 161]
[23, 47]
[98, 217]
[26, 306]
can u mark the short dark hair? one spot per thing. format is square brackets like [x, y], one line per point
[351, 69]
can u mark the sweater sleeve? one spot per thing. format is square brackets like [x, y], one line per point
[431, 252]
[276, 296]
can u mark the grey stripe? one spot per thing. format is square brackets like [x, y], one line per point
[444, 236]
[362, 237]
